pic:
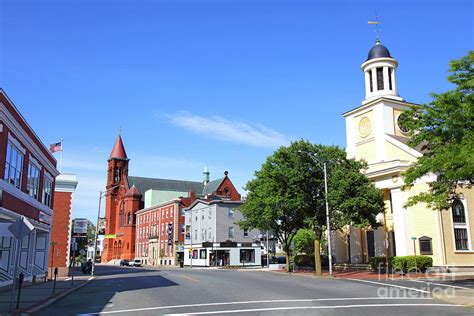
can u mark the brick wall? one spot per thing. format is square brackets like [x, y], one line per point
[60, 229]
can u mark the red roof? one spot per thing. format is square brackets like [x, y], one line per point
[119, 150]
[133, 192]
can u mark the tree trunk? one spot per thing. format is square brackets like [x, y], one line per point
[287, 253]
[317, 257]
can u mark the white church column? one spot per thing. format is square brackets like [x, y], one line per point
[386, 84]
[394, 82]
[401, 224]
[367, 84]
[374, 79]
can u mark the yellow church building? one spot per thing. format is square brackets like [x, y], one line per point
[373, 133]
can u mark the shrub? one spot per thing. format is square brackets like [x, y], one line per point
[304, 261]
[308, 260]
[376, 262]
[407, 263]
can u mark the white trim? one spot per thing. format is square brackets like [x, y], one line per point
[13, 216]
[403, 146]
[17, 144]
[1, 128]
[11, 189]
[462, 226]
[34, 162]
[441, 240]
[49, 176]
[19, 132]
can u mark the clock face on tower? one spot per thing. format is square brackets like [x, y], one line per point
[364, 127]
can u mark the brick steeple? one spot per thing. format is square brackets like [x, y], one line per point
[118, 152]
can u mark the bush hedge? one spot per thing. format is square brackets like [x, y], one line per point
[407, 263]
[376, 262]
[403, 264]
[308, 260]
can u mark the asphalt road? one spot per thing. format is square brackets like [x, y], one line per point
[140, 291]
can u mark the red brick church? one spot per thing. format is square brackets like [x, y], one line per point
[126, 195]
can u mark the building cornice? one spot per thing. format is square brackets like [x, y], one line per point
[378, 100]
[20, 133]
[9, 188]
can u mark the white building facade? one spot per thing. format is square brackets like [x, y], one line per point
[214, 238]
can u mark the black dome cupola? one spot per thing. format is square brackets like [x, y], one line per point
[378, 51]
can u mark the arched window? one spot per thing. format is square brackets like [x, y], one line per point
[459, 215]
[134, 218]
[129, 218]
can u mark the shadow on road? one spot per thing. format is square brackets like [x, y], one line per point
[98, 294]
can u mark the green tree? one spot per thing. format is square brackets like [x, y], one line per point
[304, 241]
[444, 130]
[288, 193]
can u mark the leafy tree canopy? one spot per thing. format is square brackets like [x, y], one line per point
[444, 129]
[304, 241]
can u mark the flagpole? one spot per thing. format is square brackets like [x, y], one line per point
[61, 156]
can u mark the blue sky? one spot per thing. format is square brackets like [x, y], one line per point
[217, 82]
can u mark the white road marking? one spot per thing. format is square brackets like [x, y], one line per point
[67, 279]
[392, 285]
[257, 302]
[441, 284]
[315, 307]
[90, 278]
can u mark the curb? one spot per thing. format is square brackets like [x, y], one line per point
[463, 300]
[54, 299]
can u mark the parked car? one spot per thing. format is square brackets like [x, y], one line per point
[136, 263]
[124, 263]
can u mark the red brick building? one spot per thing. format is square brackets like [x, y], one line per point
[161, 227]
[160, 200]
[61, 229]
[27, 180]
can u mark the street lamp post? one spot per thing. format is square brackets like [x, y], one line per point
[323, 164]
[101, 195]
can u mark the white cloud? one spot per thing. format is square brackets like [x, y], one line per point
[233, 131]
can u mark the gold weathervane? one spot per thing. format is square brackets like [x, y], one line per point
[376, 23]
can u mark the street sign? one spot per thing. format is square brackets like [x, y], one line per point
[170, 234]
[74, 246]
[110, 236]
[21, 227]
[413, 238]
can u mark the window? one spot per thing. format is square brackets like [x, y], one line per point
[459, 215]
[183, 228]
[47, 191]
[231, 213]
[129, 218]
[247, 255]
[5, 248]
[371, 83]
[246, 233]
[202, 254]
[460, 225]
[32, 184]
[13, 165]
[460, 237]
[183, 212]
[425, 245]
[195, 254]
[380, 78]
[390, 70]
[231, 232]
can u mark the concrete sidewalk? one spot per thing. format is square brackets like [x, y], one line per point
[455, 296]
[37, 295]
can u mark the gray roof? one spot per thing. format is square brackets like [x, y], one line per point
[145, 184]
[212, 186]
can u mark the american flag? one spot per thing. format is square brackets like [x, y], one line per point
[56, 147]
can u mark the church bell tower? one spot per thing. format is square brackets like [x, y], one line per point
[379, 70]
